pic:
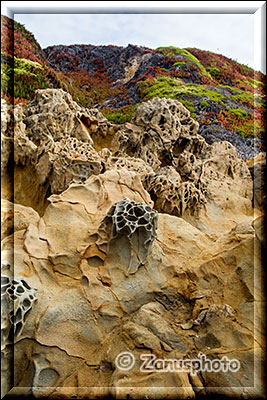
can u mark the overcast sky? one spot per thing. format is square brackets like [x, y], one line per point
[229, 34]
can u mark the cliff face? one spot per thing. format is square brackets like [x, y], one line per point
[126, 241]
[132, 223]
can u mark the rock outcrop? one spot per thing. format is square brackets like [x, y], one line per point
[187, 176]
[52, 145]
[126, 242]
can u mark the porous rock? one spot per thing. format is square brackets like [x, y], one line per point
[52, 146]
[12, 125]
[135, 224]
[196, 258]
[158, 125]
[188, 177]
[17, 299]
[53, 113]
[79, 321]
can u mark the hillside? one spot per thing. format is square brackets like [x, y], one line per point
[226, 98]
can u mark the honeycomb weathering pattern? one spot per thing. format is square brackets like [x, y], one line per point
[17, 299]
[167, 116]
[128, 216]
[138, 223]
[171, 194]
[52, 135]
[53, 112]
[163, 135]
[65, 161]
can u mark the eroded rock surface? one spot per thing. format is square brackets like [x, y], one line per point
[133, 223]
[147, 242]
[182, 173]
[187, 177]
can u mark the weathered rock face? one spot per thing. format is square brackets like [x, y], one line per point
[189, 178]
[52, 146]
[134, 224]
[181, 172]
[158, 126]
[119, 262]
[12, 127]
[52, 114]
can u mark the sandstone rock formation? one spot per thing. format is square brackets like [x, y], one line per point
[188, 176]
[156, 249]
[133, 224]
[52, 146]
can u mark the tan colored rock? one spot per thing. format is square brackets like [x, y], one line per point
[81, 305]
[7, 218]
[195, 283]
[260, 158]
[15, 217]
[167, 116]
[173, 196]
[12, 125]
[259, 226]
[52, 146]
[52, 113]
[190, 178]
[136, 165]
[157, 125]
[214, 311]
[142, 337]
[151, 316]
[68, 160]
[5, 116]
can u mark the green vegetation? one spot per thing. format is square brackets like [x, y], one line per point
[204, 103]
[121, 116]
[23, 67]
[214, 72]
[5, 78]
[188, 105]
[20, 77]
[192, 76]
[172, 51]
[164, 86]
[238, 112]
[225, 70]
[257, 83]
[233, 119]
[179, 64]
